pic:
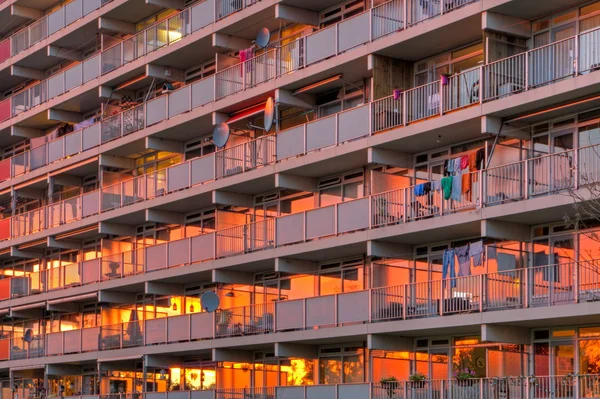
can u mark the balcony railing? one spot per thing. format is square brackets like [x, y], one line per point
[538, 286]
[581, 386]
[48, 25]
[152, 38]
[488, 82]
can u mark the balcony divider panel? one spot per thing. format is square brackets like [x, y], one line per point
[56, 21]
[73, 77]
[289, 315]
[73, 11]
[354, 123]
[202, 325]
[73, 143]
[203, 247]
[320, 311]
[90, 338]
[322, 391]
[91, 68]
[321, 45]
[156, 257]
[320, 222]
[321, 133]
[179, 252]
[290, 143]
[290, 229]
[156, 331]
[354, 31]
[353, 307]
[353, 215]
[156, 110]
[178, 328]
[179, 101]
[72, 341]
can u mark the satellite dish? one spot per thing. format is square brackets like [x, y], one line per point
[269, 113]
[221, 135]
[263, 37]
[209, 301]
[28, 337]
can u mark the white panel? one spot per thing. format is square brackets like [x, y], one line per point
[156, 331]
[203, 247]
[354, 31]
[321, 133]
[289, 315]
[178, 328]
[353, 215]
[202, 14]
[156, 110]
[156, 257]
[290, 142]
[320, 45]
[354, 123]
[320, 222]
[290, 229]
[179, 252]
[203, 169]
[179, 101]
[320, 311]
[203, 92]
[353, 307]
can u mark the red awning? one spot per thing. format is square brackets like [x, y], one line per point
[248, 112]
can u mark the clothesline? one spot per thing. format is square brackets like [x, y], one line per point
[463, 254]
[457, 177]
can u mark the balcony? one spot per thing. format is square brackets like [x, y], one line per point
[47, 25]
[533, 287]
[487, 83]
[551, 174]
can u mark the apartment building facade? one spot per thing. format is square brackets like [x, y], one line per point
[419, 222]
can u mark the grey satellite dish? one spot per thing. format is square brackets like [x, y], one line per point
[28, 337]
[221, 135]
[263, 37]
[269, 113]
[209, 301]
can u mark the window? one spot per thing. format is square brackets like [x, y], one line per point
[341, 276]
[339, 365]
[336, 189]
[340, 12]
[450, 62]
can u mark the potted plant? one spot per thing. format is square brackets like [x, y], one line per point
[465, 376]
[389, 384]
[417, 379]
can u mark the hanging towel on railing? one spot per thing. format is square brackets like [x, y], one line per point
[447, 187]
[480, 158]
[419, 190]
[475, 252]
[436, 185]
[243, 57]
[464, 260]
[448, 266]
[466, 185]
[464, 162]
[456, 187]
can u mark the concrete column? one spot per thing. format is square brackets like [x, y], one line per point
[24, 72]
[382, 156]
[64, 53]
[154, 143]
[26, 12]
[295, 14]
[60, 115]
[231, 277]
[292, 182]
[25, 132]
[158, 216]
[383, 249]
[233, 199]
[296, 266]
[155, 288]
[505, 230]
[116, 26]
[230, 42]
[505, 334]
